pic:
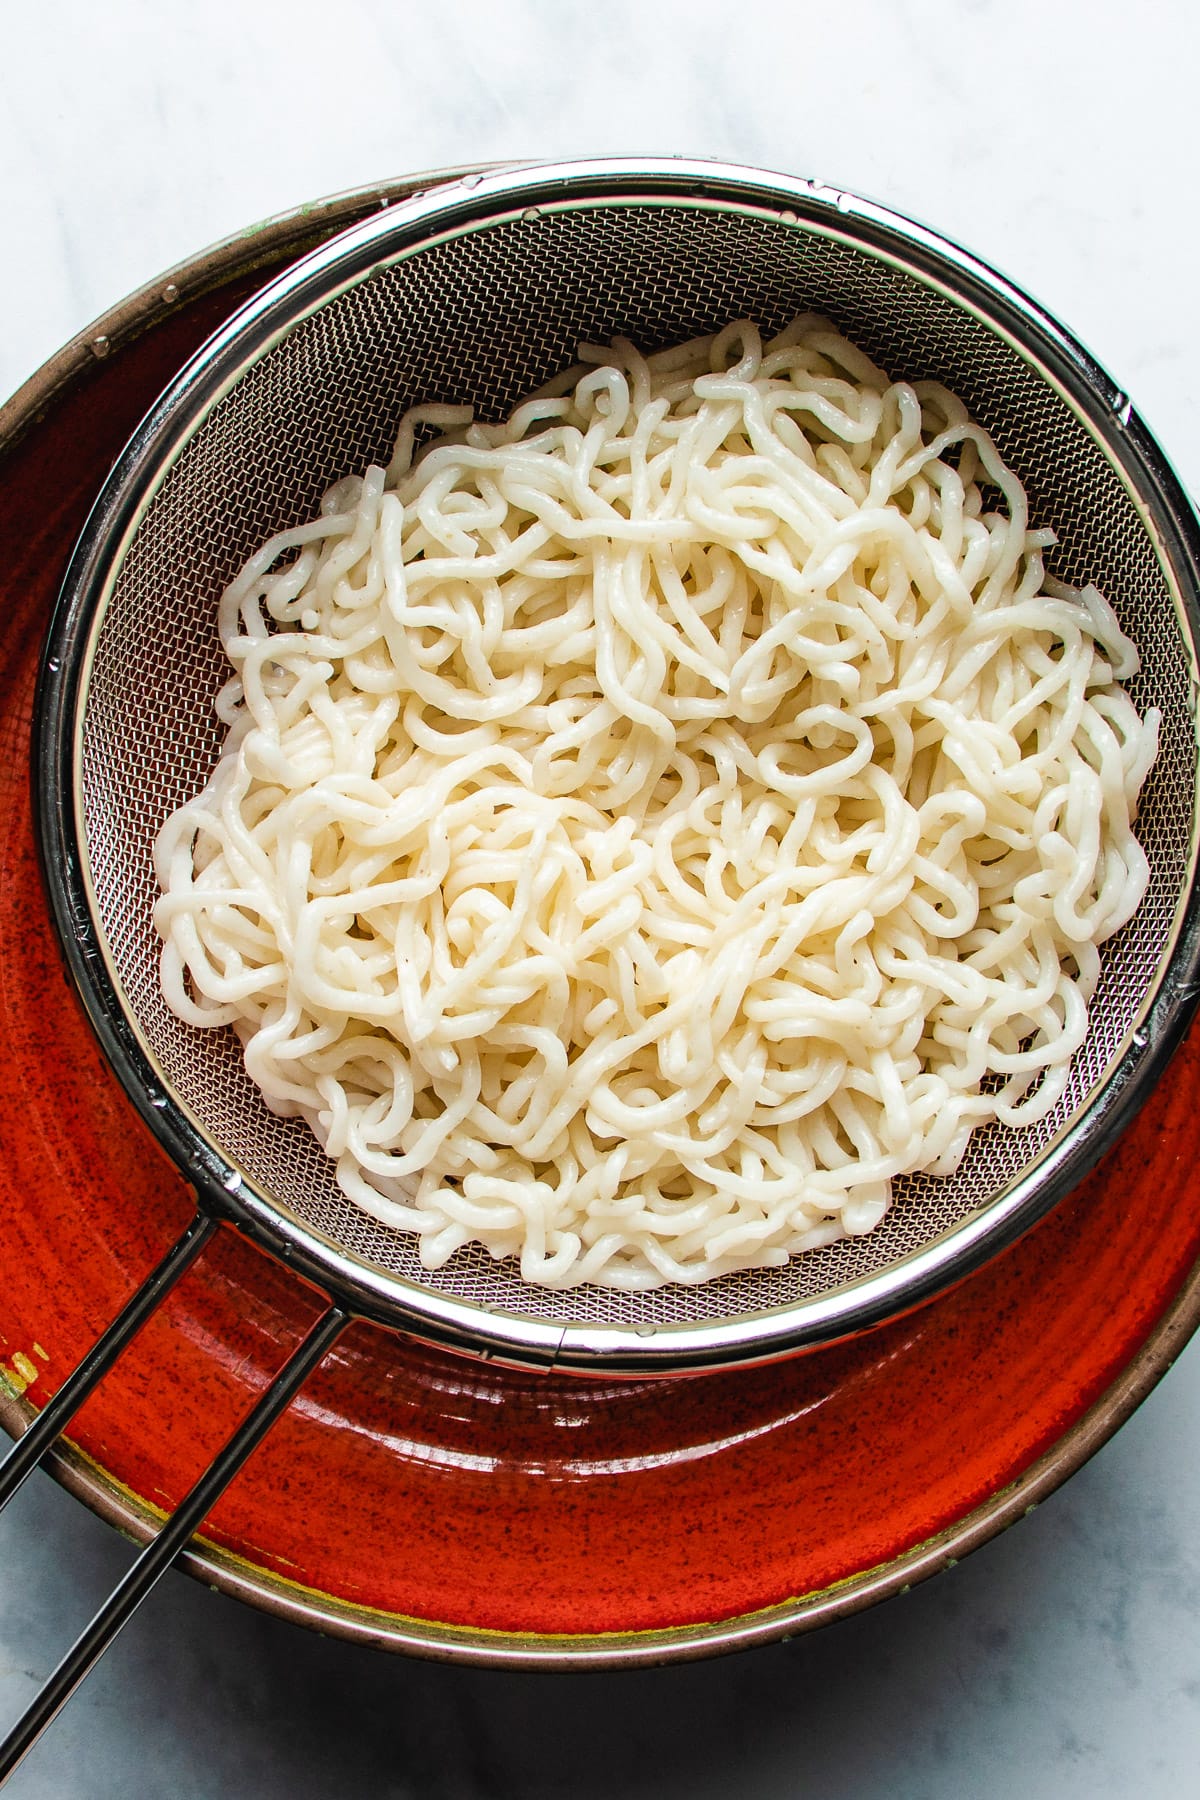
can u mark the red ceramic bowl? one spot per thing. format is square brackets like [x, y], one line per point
[420, 1501]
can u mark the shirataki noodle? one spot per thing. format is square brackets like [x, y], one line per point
[648, 826]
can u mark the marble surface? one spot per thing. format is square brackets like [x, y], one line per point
[1059, 142]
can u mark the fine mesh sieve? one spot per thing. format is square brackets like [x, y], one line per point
[478, 293]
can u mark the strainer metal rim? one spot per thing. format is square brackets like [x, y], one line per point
[471, 203]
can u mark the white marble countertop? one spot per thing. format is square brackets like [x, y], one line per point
[1059, 141]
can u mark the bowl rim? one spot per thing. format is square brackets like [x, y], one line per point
[84, 1478]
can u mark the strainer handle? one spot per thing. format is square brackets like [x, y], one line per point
[37, 1438]
[162, 1550]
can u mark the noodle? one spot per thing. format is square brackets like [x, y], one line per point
[648, 826]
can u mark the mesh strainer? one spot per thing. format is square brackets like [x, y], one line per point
[479, 292]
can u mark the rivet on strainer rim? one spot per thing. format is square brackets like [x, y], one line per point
[480, 291]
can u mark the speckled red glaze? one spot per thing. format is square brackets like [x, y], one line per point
[449, 1497]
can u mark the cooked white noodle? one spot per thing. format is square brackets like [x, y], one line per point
[645, 826]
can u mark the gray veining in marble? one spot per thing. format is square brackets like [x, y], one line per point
[1060, 142]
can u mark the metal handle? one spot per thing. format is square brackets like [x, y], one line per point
[37, 1438]
[162, 1550]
